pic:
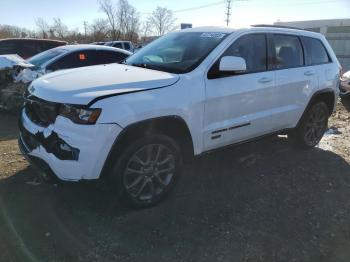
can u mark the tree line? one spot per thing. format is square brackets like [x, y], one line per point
[121, 21]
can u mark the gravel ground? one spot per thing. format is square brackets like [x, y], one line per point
[262, 201]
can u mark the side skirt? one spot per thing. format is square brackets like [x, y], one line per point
[245, 141]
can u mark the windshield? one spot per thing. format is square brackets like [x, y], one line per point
[179, 52]
[40, 59]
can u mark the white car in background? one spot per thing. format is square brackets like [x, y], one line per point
[70, 56]
[185, 94]
[345, 85]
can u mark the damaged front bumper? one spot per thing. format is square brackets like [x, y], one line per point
[71, 151]
[52, 144]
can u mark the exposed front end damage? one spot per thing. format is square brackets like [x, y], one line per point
[52, 144]
[69, 150]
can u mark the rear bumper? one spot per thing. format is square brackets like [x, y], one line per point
[72, 152]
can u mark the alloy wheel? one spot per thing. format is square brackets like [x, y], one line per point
[149, 172]
[316, 125]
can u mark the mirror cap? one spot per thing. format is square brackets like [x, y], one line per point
[232, 64]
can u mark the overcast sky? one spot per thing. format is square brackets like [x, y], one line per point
[244, 12]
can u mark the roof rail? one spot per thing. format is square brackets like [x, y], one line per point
[277, 26]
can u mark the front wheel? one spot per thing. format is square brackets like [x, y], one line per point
[313, 125]
[147, 170]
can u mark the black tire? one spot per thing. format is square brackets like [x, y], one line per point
[312, 126]
[134, 170]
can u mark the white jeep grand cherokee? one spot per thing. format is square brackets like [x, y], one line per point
[184, 94]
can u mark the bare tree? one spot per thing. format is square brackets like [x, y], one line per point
[146, 28]
[8, 31]
[123, 19]
[110, 11]
[162, 20]
[99, 30]
[131, 24]
[42, 26]
[59, 28]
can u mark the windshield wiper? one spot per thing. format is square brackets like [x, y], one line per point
[143, 65]
[154, 67]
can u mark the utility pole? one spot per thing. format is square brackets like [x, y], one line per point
[228, 12]
[85, 27]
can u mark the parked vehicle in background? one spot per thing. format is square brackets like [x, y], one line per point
[126, 45]
[73, 56]
[98, 43]
[19, 75]
[345, 85]
[187, 93]
[26, 47]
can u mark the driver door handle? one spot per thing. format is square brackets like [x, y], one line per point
[264, 80]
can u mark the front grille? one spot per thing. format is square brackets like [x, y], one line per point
[39, 111]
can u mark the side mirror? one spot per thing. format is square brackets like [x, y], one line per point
[232, 64]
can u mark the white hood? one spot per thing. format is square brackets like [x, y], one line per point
[82, 85]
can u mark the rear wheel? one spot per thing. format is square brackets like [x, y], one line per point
[313, 125]
[147, 170]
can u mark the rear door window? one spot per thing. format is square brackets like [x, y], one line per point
[315, 52]
[288, 52]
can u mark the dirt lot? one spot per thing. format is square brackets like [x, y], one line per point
[263, 201]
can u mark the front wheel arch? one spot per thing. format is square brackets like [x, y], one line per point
[173, 126]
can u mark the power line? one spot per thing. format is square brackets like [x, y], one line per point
[194, 7]
[198, 7]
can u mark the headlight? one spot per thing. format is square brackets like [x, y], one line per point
[79, 114]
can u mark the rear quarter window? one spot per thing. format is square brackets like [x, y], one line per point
[315, 52]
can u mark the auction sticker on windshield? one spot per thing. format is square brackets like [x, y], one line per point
[213, 35]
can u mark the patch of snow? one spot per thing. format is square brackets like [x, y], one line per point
[325, 144]
[332, 131]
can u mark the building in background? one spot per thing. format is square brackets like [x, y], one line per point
[337, 32]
